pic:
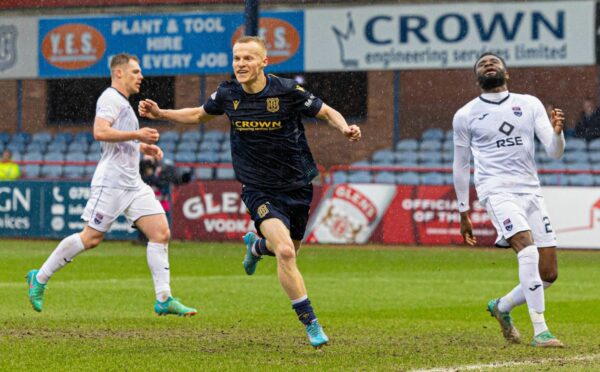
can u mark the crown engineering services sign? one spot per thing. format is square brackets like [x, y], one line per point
[449, 35]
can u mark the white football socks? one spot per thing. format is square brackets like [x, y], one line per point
[158, 262]
[63, 254]
[515, 298]
[531, 284]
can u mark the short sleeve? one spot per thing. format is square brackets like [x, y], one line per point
[214, 103]
[462, 136]
[108, 108]
[305, 102]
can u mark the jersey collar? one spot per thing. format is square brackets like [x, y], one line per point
[495, 98]
[121, 94]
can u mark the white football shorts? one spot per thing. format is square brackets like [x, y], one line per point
[106, 204]
[513, 213]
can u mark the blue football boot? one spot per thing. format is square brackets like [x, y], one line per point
[250, 260]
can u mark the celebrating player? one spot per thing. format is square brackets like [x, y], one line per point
[498, 128]
[271, 159]
[117, 188]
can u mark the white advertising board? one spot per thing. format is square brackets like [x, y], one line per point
[449, 35]
[575, 215]
[18, 47]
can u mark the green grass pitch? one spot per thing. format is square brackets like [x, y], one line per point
[384, 309]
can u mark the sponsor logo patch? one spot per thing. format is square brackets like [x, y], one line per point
[508, 224]
[517, 111]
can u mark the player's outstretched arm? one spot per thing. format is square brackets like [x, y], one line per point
[149, 109]
[103, 131]
[336, 120]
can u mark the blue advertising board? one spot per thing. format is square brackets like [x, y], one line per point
[166, 44]
[39, 209]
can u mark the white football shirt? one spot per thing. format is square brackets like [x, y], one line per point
[119, 165]
[500, 134]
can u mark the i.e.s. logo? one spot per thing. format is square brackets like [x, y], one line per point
[73, 46]
[281, 39]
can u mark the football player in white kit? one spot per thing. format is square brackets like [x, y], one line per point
[117, 188]
[498, 128]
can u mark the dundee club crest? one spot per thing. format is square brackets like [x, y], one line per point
[273, 104]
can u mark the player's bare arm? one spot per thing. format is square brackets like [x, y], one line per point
[195, 115]
[151, 150]
[557, 118]
[103, 131]
[336, 120]
[466, 229]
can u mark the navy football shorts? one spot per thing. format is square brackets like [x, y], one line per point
[291, 207]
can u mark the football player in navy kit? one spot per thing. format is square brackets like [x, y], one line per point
[271, 160]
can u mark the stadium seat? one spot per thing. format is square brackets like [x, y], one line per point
[406, 159]
[214, 136]
[57, 147]
[385, 177]
[447, 157]
[191, 136]
[407, 178]
[93, 156]
[579, 166]
[169, 136]
[554, 165]
[384, 157]
[185, 157]
[21, 137]
[547, 179]
[84, 137]
[339, 177]
[594, 157]
[429, 156]
[449, 135]
[42, 137]
[407, 145]
[433, 134]
[36, 147]
[30, 171]
[225, 157]
[51, 171]
[4, 137]
[167, 146]
[575, 144]
[95, 147]
[74, 171]
[433, 178]
[210, 146]
[448, 145]
[360, 177]
[78, 147]
[16, 147]
[226, 145]
[597, 179]
[203, 173]
[594, 145]
[67, 137]
[225, 174]
[187, 146]
[32, 156]
[430, 145]
[207, 157]
[575, 157]
[581, 180]
[433, 163]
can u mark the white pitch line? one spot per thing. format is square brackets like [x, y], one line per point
[577, 358]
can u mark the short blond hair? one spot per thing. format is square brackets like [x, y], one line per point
[250, 39]
[121, 59]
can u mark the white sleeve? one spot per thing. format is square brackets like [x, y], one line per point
[553, 143]
[461, 169]
[107, 108]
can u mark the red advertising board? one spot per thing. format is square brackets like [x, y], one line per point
[213, 211]
[390, 214]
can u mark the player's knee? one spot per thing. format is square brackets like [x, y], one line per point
[90, 242]
[285, 252]
[521, 240]
[160, 235]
